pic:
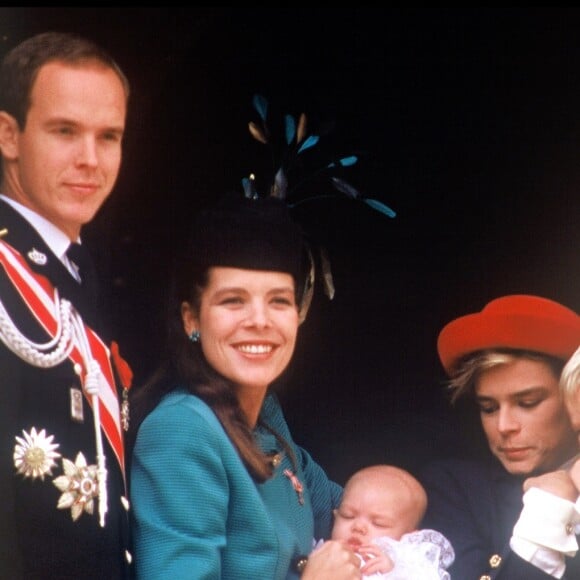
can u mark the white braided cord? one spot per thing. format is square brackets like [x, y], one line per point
[34, 353]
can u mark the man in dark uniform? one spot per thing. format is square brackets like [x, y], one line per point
[63, 505]
[507, 359]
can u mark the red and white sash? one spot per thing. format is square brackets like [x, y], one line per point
[38, 294]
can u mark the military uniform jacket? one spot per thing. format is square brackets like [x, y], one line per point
[476, 504]
[37, 539]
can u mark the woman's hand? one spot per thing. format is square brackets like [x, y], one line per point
[332, 561]
[575, 475]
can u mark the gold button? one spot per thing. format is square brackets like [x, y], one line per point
[495, 561]
[300, 563]
[485, 577]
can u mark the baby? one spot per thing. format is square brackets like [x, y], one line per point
[378, 518]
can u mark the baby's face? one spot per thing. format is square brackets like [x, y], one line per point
[369, 511]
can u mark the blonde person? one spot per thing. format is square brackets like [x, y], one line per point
[551, 514]
[570, 385]
[379, 519]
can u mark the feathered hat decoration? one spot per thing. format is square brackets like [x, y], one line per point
[287, 151]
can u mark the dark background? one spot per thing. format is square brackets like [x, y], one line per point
[468, 125]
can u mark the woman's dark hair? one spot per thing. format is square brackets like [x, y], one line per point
[220, 237]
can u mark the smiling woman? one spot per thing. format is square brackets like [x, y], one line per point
[245, 500]
[247, 321]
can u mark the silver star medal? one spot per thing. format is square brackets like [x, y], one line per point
[78, 485]
[35, 454]
[37, 257]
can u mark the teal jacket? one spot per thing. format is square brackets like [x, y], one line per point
[199, 515]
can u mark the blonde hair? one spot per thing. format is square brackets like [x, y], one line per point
[384, 474]
[570, 377]
[471, 367]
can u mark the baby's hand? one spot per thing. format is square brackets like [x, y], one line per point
[374, 560]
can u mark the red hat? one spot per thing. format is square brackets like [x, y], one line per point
[518, 321]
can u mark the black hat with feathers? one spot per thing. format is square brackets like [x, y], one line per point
[256, 231]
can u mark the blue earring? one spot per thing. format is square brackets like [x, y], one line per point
[194, 336]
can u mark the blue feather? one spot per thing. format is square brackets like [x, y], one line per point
[280, 186]
[249, 188]
[379, 206]
[290, 129]
[345, 161]
[350, 160]
[345, 187]
[261, 105]
[310, 142]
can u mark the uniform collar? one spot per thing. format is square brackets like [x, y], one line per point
[55, 239]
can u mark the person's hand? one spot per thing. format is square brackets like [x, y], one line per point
[332, 561]
[575, 475]
[375, 560]
[564, 484]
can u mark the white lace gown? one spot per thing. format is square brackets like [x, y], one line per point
[421, 555]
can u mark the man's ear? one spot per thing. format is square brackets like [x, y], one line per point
[9, 132]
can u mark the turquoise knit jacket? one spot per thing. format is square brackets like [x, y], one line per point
[198, 514]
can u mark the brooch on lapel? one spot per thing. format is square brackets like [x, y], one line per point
[296, 484]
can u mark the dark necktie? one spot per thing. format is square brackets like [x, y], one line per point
[79, 255]
[87, 301]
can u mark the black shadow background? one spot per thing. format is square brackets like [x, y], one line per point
[469, 121]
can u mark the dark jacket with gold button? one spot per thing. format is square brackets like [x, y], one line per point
[476, 504]
[37, 539]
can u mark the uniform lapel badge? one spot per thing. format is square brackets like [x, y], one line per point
[35, 454]
[76, 405]
[78, 485]
[125, 374]
[37, 257]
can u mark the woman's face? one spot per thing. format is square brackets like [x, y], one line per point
[248, 322]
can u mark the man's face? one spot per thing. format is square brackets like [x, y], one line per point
[65, 162]
[524, 417]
